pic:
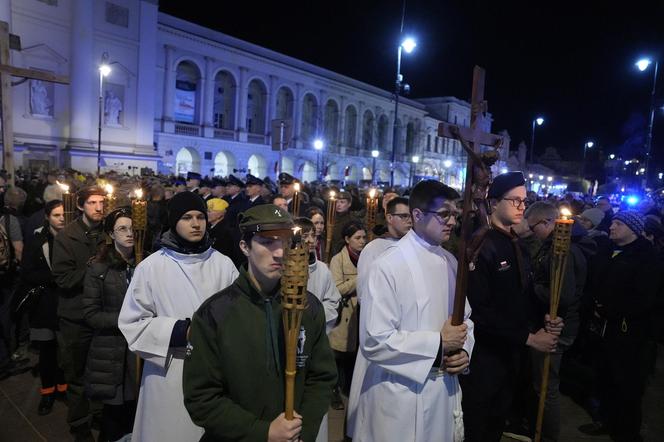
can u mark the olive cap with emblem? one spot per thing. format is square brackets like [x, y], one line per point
[265, 220]
[234, 181]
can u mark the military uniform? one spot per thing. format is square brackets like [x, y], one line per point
[234, 375]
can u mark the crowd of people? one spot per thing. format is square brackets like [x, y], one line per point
[186, 344]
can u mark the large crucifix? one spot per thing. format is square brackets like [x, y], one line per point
[7, 42]
[475, 217]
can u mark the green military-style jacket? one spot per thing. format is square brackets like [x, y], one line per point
[233, 377]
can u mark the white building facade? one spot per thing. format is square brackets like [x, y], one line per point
[181, 97]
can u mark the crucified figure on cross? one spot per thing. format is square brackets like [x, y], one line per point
[475, 217]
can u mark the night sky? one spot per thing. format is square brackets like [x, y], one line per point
[571, 62]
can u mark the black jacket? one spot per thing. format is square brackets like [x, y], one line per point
[35, 272]
[498, 292]
[72, 249]
[106, 283]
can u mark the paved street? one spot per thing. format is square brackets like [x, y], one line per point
[19, 422]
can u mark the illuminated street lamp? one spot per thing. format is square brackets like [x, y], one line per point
[413, 168]
[374, 155]
[537, 121]
[642, 65]
[318, 146]
[104, 71]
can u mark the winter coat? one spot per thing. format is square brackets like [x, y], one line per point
[72, 249]
[35, 272]
[344, 336]
[109, 360]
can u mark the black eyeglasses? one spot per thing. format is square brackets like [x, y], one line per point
[403, 216]
[516, 202]
[443, 216]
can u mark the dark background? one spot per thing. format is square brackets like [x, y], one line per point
[571, 62]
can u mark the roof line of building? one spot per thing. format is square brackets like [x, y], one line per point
[238, 44]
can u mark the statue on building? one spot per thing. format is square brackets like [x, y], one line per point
[112, 109]
[40, 103]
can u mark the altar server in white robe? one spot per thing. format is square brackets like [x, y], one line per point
[399, 222]
[165, 291]
[405, 386]
[321, 284]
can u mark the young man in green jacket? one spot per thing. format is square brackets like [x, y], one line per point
[234, 373]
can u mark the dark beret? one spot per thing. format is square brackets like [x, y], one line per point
[505, 182]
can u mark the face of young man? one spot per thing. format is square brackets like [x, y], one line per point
[191, 226]
[266, 256]
[215, 216]
[57, 218]
[253, 190]
[319, 223]
[542, 228]
[435, 224]
[93, 208]
[232, 189]
[219, 191]
[287, 190]
[342, 206]
[281, 202]
[193, 183]
[509, 210]
[122, 233]
[309, 239]
[400, 221]
[620, 234]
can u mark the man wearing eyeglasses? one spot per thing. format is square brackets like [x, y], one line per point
[405, 386]
[498, 291]
[541, 217]
[399, 222]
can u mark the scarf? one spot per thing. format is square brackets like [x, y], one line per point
[171, 240]
[354, 257]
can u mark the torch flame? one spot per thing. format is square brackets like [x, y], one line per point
[296, 186]
[565, 213]
[138, 193]
[332, 194]
[109, 189]
[372, 193]
[64, 187]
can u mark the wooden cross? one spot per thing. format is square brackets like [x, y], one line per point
[7, 42]
[475, 218]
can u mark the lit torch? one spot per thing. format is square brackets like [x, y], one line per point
[329, 224]
[296, 200]
[139, 222]
[562, 238]
[110, 200]
[68, 203]
[293, 303]
[372, 209]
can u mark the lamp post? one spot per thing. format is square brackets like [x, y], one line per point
[537, 121]
[642, 65]
[318, 145]
[104, 70]
[587, 145]
[374, 155]
[408, 45]
[413, 165]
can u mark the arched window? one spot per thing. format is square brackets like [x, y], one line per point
[367, 130]
[187, 80]
[309, 116]
[308, 172]
[351, 126]
[257, 166]
[284, 103]
[410, 138]
[256, 94]
[224, 101]
[331, 123]
[222, 164]
[383, 128]
[187, 160]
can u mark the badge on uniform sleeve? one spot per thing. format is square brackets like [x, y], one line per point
[504, 266]
[301, 358]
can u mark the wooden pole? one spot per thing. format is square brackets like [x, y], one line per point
[7, 111]
[562, 235]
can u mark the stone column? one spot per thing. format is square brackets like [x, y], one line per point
[241, 121]
[360, 125]
[84, 76]
[169, 90]
[208, 92]
[342, 123]
[297, 115]
[271, 106]
[145, 83]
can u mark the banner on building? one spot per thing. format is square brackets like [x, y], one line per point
[185, 102]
